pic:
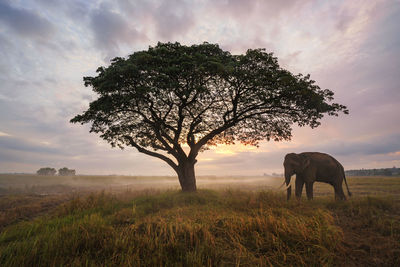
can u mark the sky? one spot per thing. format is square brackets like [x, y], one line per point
[351, 47]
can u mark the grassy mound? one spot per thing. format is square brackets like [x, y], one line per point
[207, 228]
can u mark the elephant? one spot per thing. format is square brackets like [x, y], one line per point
[311, 167]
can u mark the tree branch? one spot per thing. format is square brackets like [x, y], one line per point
[195, 149]
[176, 150]
[151, 153]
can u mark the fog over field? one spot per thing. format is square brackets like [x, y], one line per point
[90, 183]
[56, 185]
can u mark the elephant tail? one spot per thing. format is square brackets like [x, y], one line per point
[345, 181]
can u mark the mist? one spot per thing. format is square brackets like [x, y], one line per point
[48, 185]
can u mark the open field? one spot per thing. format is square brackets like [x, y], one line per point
[52, 185]
[231, 221]
[85, 183]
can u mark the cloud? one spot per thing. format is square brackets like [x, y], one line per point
[173, 18]
[26, 145]
[25, 23]
[344, 19]
[111, 29]
[75, 9]
[4, 134]
[162, 20]
[383, 144]
[242, 10]
[47, 46]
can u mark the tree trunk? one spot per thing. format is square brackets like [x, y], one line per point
[187, 178]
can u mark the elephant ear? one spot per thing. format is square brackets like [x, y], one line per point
[305, 161]
[290, 157]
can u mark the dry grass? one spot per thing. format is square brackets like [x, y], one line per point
[173, 228]
[132, 227]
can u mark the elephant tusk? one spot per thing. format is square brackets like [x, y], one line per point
[286, 187]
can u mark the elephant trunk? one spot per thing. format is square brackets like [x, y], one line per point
[288, 186]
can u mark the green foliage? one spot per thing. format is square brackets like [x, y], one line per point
[179, 93]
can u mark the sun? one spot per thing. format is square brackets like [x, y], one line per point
[232, 149]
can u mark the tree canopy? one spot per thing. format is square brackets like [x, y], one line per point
[46, 171]
[66, 172]
[200, 95]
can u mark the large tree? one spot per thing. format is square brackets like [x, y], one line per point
[171, 94]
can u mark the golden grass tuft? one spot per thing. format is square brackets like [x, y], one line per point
[207, 228]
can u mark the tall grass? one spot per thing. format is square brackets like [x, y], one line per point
[208, 228]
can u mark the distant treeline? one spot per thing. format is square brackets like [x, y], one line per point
[51, 171]
[374, 172]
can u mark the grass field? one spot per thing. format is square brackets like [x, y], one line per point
[230, 221]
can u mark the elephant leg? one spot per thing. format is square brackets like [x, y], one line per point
[309, 190]
[289, 192]
[299, 187]
[339, 194]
